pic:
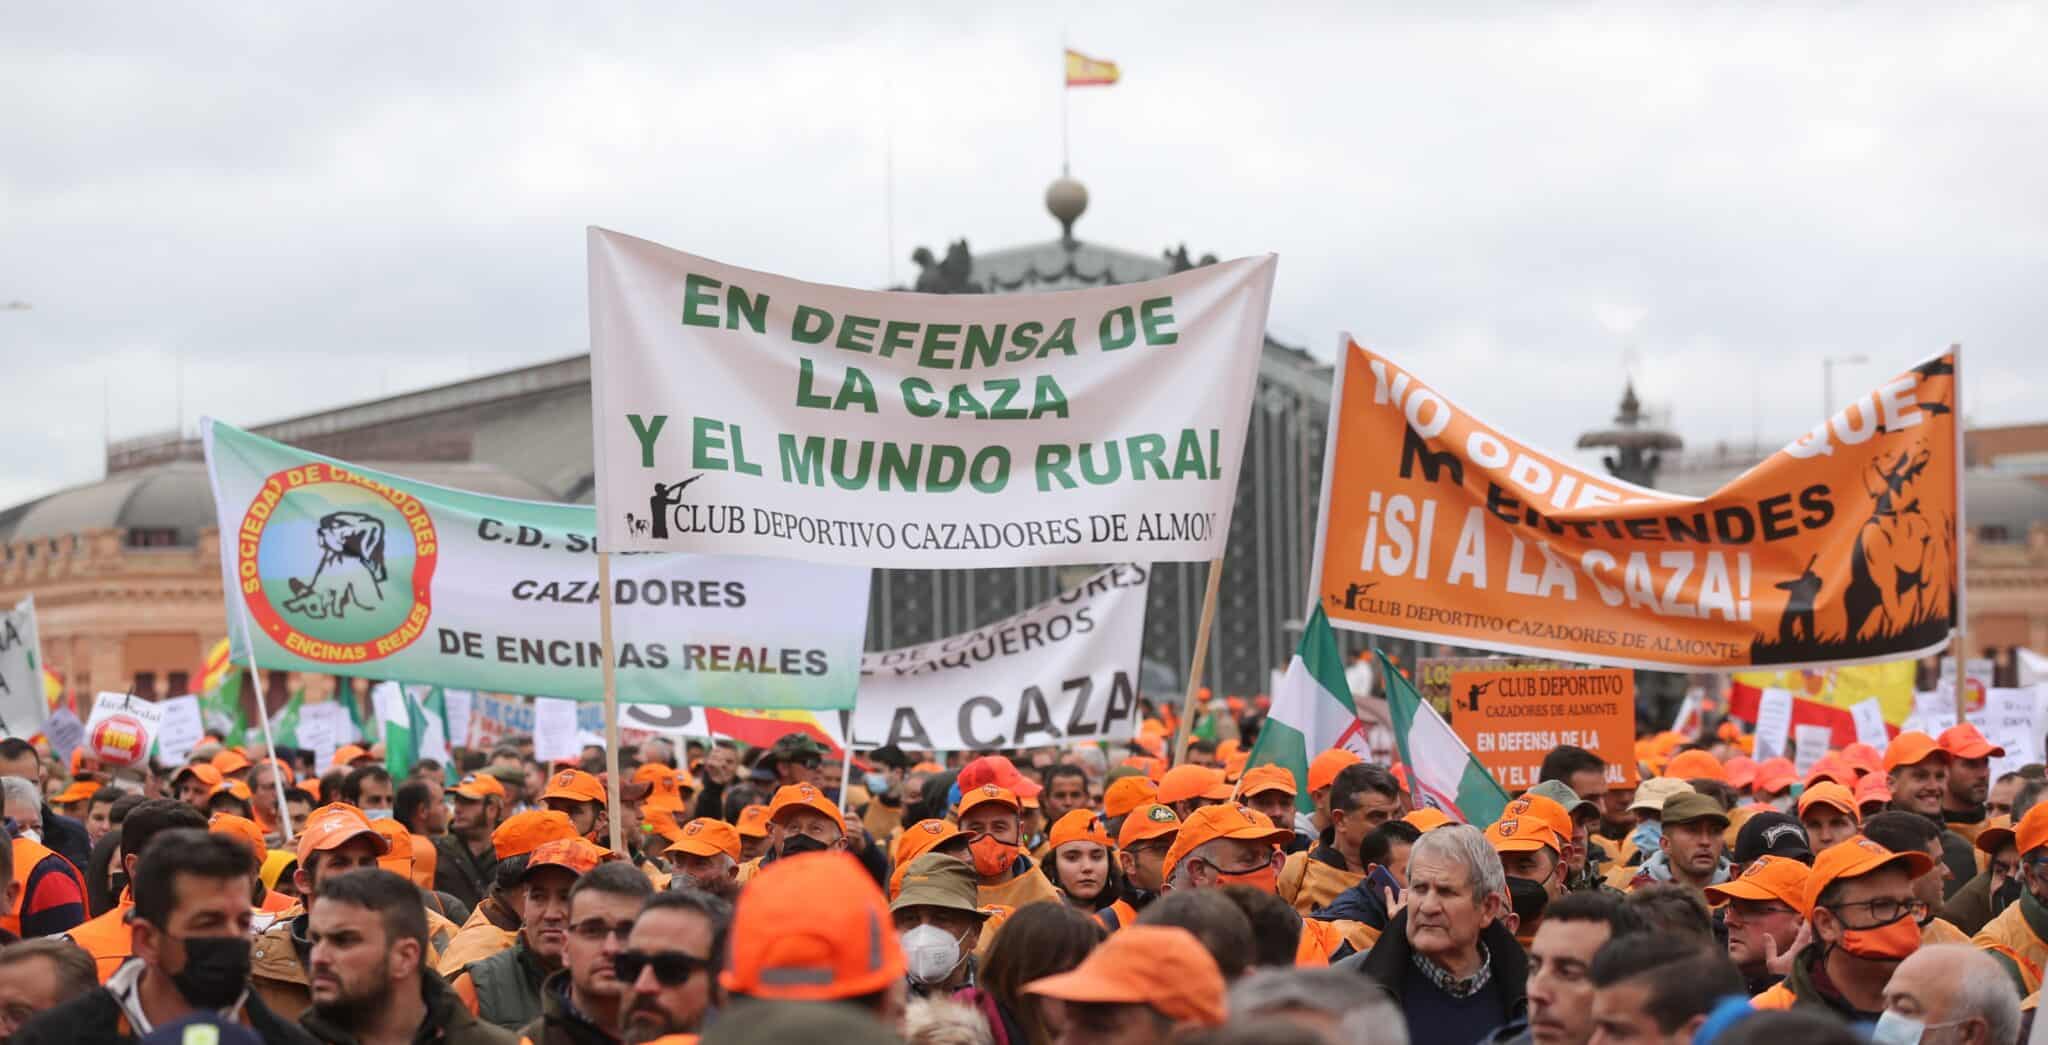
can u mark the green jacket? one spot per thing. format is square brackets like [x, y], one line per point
[507, 986]
[560, 1022]
[447, 1022]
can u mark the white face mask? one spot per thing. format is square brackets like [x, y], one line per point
[376, 814]
[931, 952]
[1894, 1029]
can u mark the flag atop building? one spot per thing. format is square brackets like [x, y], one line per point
[1441, 771]
[1083, 71]
[1312, 710]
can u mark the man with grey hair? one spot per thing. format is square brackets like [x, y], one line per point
[1341, 1007]
[1451, 965]
[1953, 989]
[52, 891]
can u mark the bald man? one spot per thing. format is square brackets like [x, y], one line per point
[1957, 988]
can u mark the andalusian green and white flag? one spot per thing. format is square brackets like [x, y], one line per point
[1312, 711]
[1442, 774]
[414, 720]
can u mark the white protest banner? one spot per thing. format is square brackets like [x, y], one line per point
[1773, 722]
[23, 706]
[64, 732]
[461, 703]
[1809, 744]
[1063, 671]
[1869, 716]
[2011, 721]
[181, 731]
[740, 412]
[121, 728]
[322, 729]
[343, 570]
[554, 730]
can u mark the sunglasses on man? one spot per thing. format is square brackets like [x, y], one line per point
[671, 968]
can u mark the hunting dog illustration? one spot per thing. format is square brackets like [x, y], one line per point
[351, 570]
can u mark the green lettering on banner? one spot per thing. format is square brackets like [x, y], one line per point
[804, 396]
[938, 341]
[963, 403]
[856, 333]
[898, 334]
[1049, 400]
[1062, 340]
[898, 467]
[1148, 449]
[1054, 463]
[1158, 321]
[697, 296]
[985, 347]
[647, 434]
[1006, 390]
[856, 477]
[985, 479]
[707, 438]
[936, 479]
[1113, 335]
[803, 463]
[738, 307]
[1025, 338]
[811, 326]
[1188, 463]
[913, 389]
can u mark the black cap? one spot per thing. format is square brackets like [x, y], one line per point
[1771, 834]
[892, 756]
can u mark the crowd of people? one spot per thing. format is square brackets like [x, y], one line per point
[1096, 894]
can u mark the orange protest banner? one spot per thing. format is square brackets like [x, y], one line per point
[1840, 548]
[1511, 719]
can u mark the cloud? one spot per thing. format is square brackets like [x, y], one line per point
[297, 209]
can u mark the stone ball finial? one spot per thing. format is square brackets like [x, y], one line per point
[1067, 199]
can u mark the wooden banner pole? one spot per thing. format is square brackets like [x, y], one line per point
[1960, 644]
[611, 703]
[1187, 704]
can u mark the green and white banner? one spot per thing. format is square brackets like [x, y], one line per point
[23, 705]
[348, 571]
[739, 412]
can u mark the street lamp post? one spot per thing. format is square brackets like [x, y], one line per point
[1827, 379]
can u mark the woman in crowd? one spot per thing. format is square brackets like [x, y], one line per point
[1040, 940]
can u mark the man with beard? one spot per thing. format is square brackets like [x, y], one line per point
[1969, 778]
[1916, 770]
[707, 853]
[370, 980]
[1691, 851]
[584, 1002]
[1765, 912]
[670, 965]
[467, 857]
[2018, 936]
[1560, 968]
[494, 925]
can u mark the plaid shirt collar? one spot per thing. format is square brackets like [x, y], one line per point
[1451, 985]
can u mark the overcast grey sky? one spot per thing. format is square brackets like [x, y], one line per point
[309, 206]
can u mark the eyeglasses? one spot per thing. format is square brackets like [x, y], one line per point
[596, 929]
[1885, 911]
[671, 968]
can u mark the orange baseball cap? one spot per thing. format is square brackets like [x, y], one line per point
[1160, 966]
[1696, 765]
[1832, 766]
[1153, 767]
[574, 785]
[332, 826]
[707, 837]
[241, 829]
[234, 787]
[1522, 834]
[1872, 789]
[1997, 834]
[915, 841]
[997, 770]
[1229, 749]
[1182, 783]
[1147, 822]
[1829, 793]
[207, 775]
[1740, 772]
[398, 860]
[1965, 741]
[804, 796]
[346, 755]
[1323, 769]
[1910, 749]
[1227, 820]
[1549, 811]
[1269, 777]
[1854, 858]
[1427, 819]
[1863, 758]
[785, 944]
[81, 759]
[230, 761]
[478, 786]
[1774, 775]
[1127, 793]
[522, 833]
[575, 855]
[2032, 832]
[1080, 825]
[986, 794]
[79, 791]
[753, 822]
[1766, 878]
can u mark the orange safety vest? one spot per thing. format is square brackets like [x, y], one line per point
[1318, 941]
[2009, 934]
[108, 937]
[1309, 885]
[27, 855]
[1117, 915]
[1778, 997]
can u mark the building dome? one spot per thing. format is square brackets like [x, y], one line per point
[1067, 199]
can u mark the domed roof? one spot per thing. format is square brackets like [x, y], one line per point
[2003, 502]
[177, 496]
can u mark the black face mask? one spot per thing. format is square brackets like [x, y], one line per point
[118, 882]
[797, 845]
[216, 971]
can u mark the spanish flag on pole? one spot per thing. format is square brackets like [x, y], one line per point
[1083, 71]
